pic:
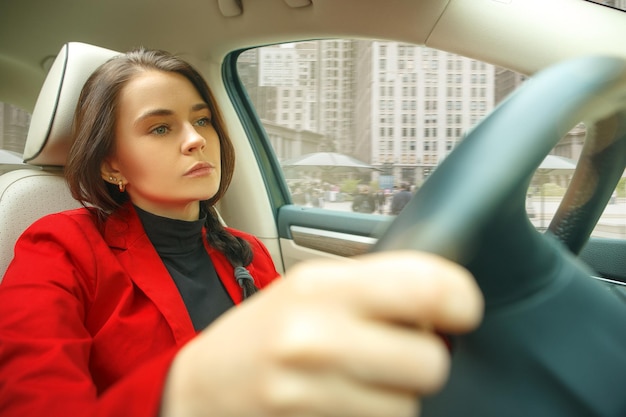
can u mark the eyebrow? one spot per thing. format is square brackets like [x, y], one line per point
[167, 112]
[200, 106]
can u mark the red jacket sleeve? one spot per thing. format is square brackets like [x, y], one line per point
[44, 343]
[79, 337]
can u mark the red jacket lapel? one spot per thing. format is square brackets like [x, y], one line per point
[125, 235]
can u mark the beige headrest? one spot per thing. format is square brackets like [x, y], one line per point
[49, 136]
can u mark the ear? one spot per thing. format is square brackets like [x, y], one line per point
[110, 172]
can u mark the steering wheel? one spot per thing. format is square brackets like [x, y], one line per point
[553, 340]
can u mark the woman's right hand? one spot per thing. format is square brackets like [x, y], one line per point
[332, 338]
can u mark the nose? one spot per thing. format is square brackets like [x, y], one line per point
[193, 140]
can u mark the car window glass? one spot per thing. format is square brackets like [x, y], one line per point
[14, 123]
[354, 122]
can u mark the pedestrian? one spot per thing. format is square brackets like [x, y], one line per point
[363, 201]
[400, 199]
[380, 201]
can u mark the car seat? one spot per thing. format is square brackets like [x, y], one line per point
[38, 187]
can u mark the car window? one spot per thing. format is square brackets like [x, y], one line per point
[353, 123]
[14, 124]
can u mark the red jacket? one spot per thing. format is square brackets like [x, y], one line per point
[90, 319]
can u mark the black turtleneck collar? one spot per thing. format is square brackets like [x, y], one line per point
[171, 236]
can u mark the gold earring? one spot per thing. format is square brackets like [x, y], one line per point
[121, 186]
[112, 179]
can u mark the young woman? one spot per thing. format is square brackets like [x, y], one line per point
[124, 307]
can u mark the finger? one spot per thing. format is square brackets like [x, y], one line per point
[372, 352]
[396, 357]
[328, 393]
[404, 286]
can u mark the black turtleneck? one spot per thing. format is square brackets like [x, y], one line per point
[179, 244]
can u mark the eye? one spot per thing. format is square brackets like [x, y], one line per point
[203, 122]
[160, 130]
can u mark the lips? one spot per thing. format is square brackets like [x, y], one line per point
[198, 169]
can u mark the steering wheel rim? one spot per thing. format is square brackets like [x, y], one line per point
[548, 329]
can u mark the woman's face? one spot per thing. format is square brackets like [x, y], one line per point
[166, 150]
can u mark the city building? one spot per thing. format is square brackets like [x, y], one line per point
[305, 86]
[421, 104]
[14, 124]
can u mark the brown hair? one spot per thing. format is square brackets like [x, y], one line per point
[94, 134]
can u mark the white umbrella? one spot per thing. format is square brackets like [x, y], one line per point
[328, 161]
[554, 162]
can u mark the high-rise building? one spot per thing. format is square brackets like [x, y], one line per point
[14, 124]
[307, 86]
[422, 102]
[506, 81]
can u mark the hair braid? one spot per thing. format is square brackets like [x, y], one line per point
[236, 250]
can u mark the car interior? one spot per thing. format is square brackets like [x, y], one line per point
[552, 342]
